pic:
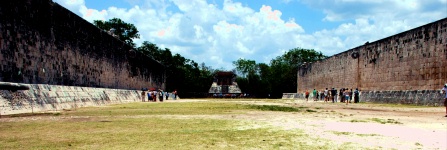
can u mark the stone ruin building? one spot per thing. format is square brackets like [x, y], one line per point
[224, 83]
[65, 61]
[408, 68]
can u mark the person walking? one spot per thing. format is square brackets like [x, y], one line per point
[314, 92]
[356, 95]
[346, 93]
[444, 90]
[143, 96]
[307, 95]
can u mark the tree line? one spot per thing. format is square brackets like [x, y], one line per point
[191, 79]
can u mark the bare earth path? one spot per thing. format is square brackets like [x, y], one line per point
[368, 125]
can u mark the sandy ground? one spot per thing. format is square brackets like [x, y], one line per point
[367, 125]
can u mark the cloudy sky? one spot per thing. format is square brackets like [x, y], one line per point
[218, 32]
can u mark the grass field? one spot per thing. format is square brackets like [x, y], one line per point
[227, 124]
[152, 126]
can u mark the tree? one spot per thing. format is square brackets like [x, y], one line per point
[124, 31]
[245, 66]
[184, 75]
[276, 78]
[285, 68]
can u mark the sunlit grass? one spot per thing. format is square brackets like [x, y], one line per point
[153, 126]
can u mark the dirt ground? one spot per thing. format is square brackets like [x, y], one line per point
[372, 126]
[366, 125]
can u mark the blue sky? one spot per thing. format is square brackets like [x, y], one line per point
[217, 32]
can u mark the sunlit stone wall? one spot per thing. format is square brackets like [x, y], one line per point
[409, 67]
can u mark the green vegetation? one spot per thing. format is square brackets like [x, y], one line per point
[383, 121]
[124, 31]
[368, 135]
[277, 77]
[355, 120]
[275, 108]
[341, 133]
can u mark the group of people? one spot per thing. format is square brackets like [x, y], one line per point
[345, 95]
[152, 96]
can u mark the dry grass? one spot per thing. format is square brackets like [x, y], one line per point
[141, 126]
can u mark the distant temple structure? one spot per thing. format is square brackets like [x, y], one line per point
[224, 83]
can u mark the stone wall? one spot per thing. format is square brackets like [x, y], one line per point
[41, 42]
[414, 60]
[417, 97]
[44, 97]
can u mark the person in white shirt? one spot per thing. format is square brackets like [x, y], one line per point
[444, 91]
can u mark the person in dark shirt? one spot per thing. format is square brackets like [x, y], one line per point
[334, 95]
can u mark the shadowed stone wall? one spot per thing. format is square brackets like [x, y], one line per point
[409, 67]
[41, 42]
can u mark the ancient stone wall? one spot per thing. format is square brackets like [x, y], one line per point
[41, 42]
[408, 62]
[44, 97]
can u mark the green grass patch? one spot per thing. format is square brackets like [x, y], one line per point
[355, 120]
[365, 135]
[384, 121]
[341, 133]
[274, 108]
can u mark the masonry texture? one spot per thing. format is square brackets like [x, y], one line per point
[44, 97]
[409, 67]
[41, 42]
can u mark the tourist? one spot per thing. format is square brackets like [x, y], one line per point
[149, 96]
[350, 96]
[307, 95]
[160, 95]
[356, 95]
[346, 93]
[167, 95]
[444, 90]
[321, 95]
[326, 97]
[314, 94]
[175, 94]
[334, 95]
[342, 97]
[154, 95]
[143, 96]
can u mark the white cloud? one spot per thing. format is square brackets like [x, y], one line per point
[205, 32]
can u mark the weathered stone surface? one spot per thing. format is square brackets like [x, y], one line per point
[43, 97]
[43, 43]
[417, 97]
[414, 60]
